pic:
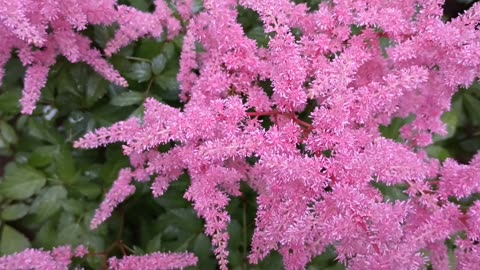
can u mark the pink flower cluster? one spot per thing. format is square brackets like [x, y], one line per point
[40, 30]
[313, 178]
[60, 258]
[57, 259]
[308, 199]
[154, 261]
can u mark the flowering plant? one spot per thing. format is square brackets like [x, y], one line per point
[296, 115]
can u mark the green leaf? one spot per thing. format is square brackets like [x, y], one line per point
[12, 241]
[158, 64]
[202, 248]
[70, 234]
[184, 219]
[452, 120]
[74, 206]
[14, 211]
[95, 89]
[169, 83]
[8, 133]
[88, 189]
[142, 5]
[154, 244]
[43, 130]
[169, 50]
[148, 48]
[437, 151]
[45, 237]
[258, 34]
[140, 72]
[42, 156]
[472, 106]
[391, 193]
[9, 101]
[103, 34]
[127, 99]
[392, 131]
[272, 262]
[65, 165]
[3, 143]
[48, 202]
[21, 183]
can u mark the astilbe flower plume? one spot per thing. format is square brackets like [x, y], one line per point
[60, 258]
[313, 177]
[40, 30]
[356, 87]
[154, 261]
[309, 200]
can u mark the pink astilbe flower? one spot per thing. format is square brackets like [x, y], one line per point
[467, 255]
[311, 148]
[460, 180]
[57, 259]
[60, 258]
[121, 189]
[154, 261]
[135, 24]
[53, 26]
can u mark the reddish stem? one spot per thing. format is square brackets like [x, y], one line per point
[306, 126]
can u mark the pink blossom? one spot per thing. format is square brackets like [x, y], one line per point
[57, 259]
[120, 190]
[312, 169]
[154, 261]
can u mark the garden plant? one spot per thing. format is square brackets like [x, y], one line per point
[239, 134]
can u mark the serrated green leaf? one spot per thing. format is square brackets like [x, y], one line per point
[3, 143]
[392, 131]
[46, 236]
[8, 133]
[168, 50]
[258, 34]
[169, 84]
[391, 193]
[158, 64]
[127, 99]
[184, 219]
[154, 244]
[103, 34]
[142, 5]
[451, 119]
[70, 234]
[43, 130]
[197, 6]
[48, 202]
[12, 241]
[65, 165]
[472, 106]
[73, 206]
[65, 82]
[271, 262]
[9, 101]
[141, 72]
[138, 112]
[14, 212]
[95, 89]
[149, 48]
[438, 152]
[42, 156]
[21, 183]
[88, 189]
[202, 248]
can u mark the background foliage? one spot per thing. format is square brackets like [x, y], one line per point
[49, 191]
